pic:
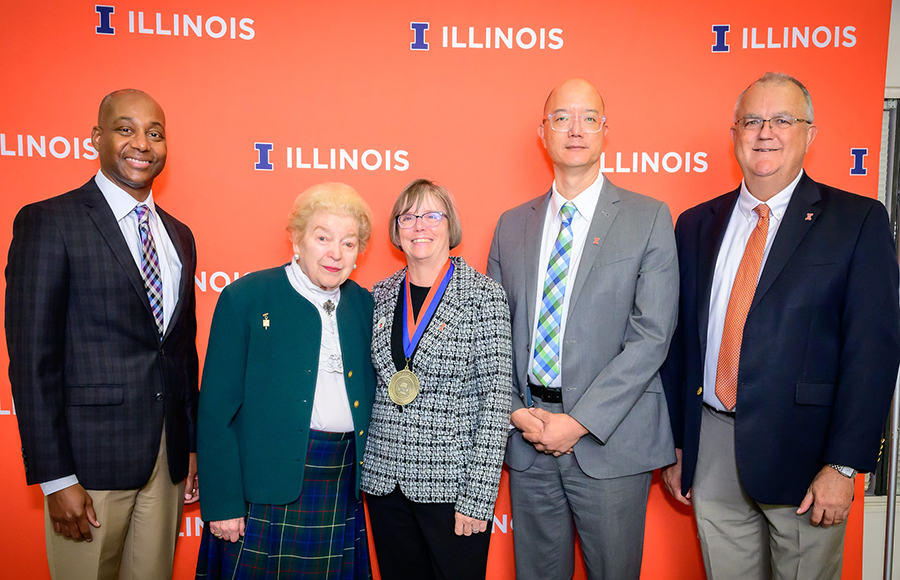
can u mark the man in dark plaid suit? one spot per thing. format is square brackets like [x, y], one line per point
[101, 332]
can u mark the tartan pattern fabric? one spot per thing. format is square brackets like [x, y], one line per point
[546, 347]
[150, 271]
[742, 291]
[322, 535]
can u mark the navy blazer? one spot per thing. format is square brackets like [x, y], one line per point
[91, 380]
[820, 348]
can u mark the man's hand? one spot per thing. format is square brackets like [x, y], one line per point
[829, 495]
[524, 421]
[466, 526]
[559, 435]
[192, 482]
[231, 530]
[72, 513]
[671, 476]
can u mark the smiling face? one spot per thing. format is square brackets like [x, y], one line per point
[328, 249]
[770, 159]
[573, 149]
[130, 139]
[421, 243]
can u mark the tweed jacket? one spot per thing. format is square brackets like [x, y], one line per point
[259, 383]
[447, 445]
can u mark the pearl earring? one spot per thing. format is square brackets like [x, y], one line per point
[296, 257]
[354, 266]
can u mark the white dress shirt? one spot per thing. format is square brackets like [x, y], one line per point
[741, 224]
[331, 406]
[585, 203]
[122, 205]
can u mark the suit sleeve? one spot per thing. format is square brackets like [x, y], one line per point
[192, 363]
[496, 272]
[672, 372]
[617, 388]
[221, 397]
[37, 275]
[870, 347]
[493, 372]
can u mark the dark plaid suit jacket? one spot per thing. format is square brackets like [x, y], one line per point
[91, 380]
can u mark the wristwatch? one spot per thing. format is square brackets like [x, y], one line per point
[847, 472]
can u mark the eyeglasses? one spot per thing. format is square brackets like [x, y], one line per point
[565, 121]
[777, 123]
[431, 219]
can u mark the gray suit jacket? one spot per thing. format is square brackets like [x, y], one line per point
[621, 317]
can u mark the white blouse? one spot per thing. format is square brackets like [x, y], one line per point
[331, 407]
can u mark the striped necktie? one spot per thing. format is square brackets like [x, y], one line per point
[546, 365]
[150, 271]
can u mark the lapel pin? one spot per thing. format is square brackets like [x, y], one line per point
[443, 326]
[381, 323]
[808, 217]
[596, 241]
[266, 321]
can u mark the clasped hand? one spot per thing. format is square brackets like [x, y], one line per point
[551, 433]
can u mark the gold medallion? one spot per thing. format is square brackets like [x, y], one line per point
[404, 387]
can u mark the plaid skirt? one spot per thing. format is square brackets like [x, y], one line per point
[322, 535]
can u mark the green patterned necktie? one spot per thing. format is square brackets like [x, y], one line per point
[546, 347]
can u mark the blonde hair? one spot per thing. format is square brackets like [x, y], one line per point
[332, 198]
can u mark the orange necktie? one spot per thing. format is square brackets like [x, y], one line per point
[742, 292]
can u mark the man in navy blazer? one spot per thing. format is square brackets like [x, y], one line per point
[101, 332]
[771, 472]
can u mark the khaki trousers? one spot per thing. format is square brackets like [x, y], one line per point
[137, 533]
[745, 540]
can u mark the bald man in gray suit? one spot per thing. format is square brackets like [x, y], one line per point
[592, 279]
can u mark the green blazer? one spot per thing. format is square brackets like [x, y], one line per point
[259, 382]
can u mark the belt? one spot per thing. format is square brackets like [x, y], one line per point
[545, 394]
[718, 412]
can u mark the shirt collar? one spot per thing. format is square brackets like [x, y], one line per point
[119, 200]
[777, 203]
[585, 202]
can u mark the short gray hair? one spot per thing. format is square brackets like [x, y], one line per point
[779, 78]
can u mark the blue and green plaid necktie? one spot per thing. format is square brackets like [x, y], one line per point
[546, 347]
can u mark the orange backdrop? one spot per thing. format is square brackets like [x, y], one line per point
[264, 99]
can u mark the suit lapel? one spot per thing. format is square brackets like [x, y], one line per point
[601, 222]
[102, 216]
[712, 230]
[797, 221]
[182, 245]
[444, 316]
[381, 341]
[531, 245]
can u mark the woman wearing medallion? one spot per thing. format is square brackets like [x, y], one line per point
[286, 396]
[442, 351]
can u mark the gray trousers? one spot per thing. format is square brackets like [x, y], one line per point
[746, 540]
[553, 499]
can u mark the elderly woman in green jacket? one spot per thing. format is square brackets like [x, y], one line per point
[287, 390]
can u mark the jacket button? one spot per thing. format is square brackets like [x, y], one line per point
[159, 396]
[360, 462]
[361, 432]
[700, 391]
[356, 403]
[349, 374]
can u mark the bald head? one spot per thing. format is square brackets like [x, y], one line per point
[573, 90]
[109, 101]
